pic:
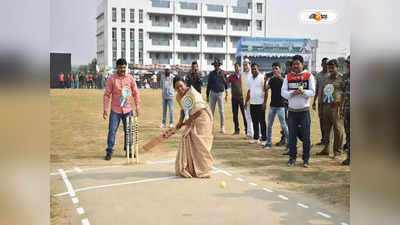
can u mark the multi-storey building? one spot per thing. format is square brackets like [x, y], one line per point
[176, 32]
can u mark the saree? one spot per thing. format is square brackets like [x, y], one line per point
[194, 158]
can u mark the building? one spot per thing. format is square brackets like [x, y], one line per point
[176, 32]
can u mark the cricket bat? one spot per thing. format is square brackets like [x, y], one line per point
[157, 140]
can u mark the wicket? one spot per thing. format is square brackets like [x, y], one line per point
[129, 132]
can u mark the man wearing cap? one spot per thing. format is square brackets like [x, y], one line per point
[167, 97]
[193, 78]
[216, 87]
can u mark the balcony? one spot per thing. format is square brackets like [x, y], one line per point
[214, 47]
[188, 25]
[211, 10]
[161, 26]
[160, 6]
[154, 46]
[239, 13]
[214, 28]
[239, 30]
[187, 8]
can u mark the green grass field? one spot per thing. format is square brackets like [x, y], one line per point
[79, 135]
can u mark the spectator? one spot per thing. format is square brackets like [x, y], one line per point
[167, 97]
[90, 80]
[276, 104]
[247, 75]
[256, 97]
[193, 79]
[298, 87]
[76, 78]
[321, 79]
[283, 141]
[61, 80]
[332, 106]
[346, 111]
[237, 98]
[216, 87]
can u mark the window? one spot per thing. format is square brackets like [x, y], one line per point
[132, 15]
[114, 44]
[242, 10]
[259, 7]
[123, 43]
[239, 25]
[160, 4]
[123, 15]
[215, 8]
[249, 5]
[188, 40]
[215, 41]
[234, 41]
[141, 46]
[160, 21]
[188, 5]
[114, 14]
[140, 15]
[132, 45]
[160, 39]
[188, 22]
[215, 24]
[259, 24]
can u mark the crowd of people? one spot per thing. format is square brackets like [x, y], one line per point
[80, 80]
[291, 93]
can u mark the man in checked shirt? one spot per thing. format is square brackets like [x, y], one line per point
[120, 106]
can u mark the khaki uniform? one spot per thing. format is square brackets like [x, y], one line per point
[331, 113]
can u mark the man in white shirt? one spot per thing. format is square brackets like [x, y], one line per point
[257, 99]
[298, 87]
[247, 75]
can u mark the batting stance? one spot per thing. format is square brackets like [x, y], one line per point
[119, 87]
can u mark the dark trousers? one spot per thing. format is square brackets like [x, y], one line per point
[258, 117]
[299, 125]
[321, 122]
[347, 129]
[113, 125]
[236, 104]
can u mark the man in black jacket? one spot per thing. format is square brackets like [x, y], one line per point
[193, 78]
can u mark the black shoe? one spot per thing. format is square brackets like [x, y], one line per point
[320, 143]
[108, 156]
[285, 153]
[282, 142]
[346, 162]
[236, 133]
[306, 164]
[291, 162]
[130, 155]
[323, 153]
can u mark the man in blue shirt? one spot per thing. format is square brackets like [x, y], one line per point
[167, 97]
[216, 87]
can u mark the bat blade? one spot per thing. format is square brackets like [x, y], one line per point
[157, 140]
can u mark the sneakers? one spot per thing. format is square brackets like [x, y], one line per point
[108, 157]
[253, 141]
[171, 125]
[323, 152]
[282, 142]
[263, 143]
[286, 152]
[162, 125]
[267, 145]
[306, 164]
[291, 162]
[346, 162]
[222, 130]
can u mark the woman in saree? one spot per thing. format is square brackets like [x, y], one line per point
[194, 157]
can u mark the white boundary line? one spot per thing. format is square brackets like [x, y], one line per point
[239, 179]
[283, 197]
[75, 200]
[324, 215]
[80, 210]
[79, 170]
[70, 189]
[268, 190]
[118, 184]
[343, 224]
[85, 221]
[302, 205]
[253, 184]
